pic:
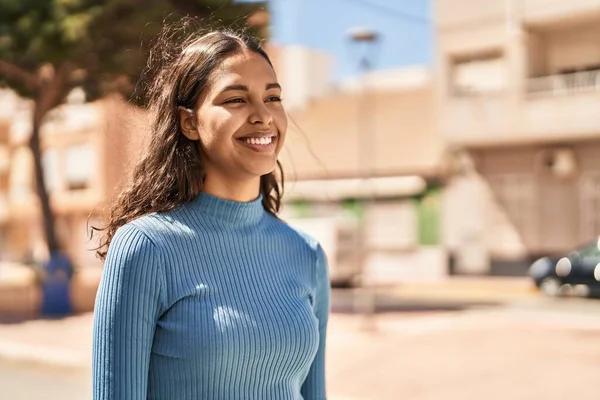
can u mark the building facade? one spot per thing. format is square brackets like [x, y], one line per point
[86, 148]
[518, 104]
[366, 151]
[380, 127]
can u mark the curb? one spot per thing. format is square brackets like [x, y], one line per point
[465, 287]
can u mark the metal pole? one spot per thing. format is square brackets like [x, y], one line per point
[366, 144]
[364, 296]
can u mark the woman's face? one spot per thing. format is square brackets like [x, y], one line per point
[239, 121]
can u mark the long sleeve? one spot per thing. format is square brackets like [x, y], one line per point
[314, 387]
[129, 301]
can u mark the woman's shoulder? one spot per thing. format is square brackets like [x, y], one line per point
[155, 227]
[298, 236]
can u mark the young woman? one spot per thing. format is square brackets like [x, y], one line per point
[205, 293]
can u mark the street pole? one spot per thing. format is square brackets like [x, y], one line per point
[364, 296]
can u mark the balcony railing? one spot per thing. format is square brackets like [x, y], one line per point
[556, 85]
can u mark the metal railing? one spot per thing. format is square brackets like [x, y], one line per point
[555, 85]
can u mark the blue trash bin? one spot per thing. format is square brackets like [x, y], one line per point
[56, 298]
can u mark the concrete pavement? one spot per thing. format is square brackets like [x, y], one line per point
[20, 297]
[541, 349]
[478, 355]
[409, 350]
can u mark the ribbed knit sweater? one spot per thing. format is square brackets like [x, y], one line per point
[213, 300]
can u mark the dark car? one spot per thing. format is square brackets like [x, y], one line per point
[579, 271]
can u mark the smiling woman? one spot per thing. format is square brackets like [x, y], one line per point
[240, 123]
[206, 294]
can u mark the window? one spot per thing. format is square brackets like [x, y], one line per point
[80, 162]
[51, 170]
[21, 175]
[477, 74]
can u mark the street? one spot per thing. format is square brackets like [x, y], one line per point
[532, 348]
[21, 381]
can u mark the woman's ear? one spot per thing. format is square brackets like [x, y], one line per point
[187, 123]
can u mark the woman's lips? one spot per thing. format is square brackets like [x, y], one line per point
[259, 143]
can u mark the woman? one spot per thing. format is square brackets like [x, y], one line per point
[206, 294]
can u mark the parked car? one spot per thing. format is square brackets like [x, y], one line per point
[578, 271]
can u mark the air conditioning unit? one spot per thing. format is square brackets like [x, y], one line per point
[560, 162]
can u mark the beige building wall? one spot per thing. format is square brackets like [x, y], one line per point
[303, 73]
[325, 139]
[87, 148]
[322, 143]
[386, 131]
[518, 96]
[534, 41]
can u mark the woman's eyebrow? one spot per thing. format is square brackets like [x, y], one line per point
[244, 88]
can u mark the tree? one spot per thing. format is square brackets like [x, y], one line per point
[49, 46]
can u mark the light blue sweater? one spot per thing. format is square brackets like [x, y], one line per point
[213, 300]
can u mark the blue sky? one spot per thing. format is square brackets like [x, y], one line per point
[404, 27]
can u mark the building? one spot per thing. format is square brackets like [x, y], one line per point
[86, 150]
[518, 103]
[382, 127]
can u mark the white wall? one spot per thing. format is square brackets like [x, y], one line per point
[302, 72]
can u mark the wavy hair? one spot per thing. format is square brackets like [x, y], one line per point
[171, 171]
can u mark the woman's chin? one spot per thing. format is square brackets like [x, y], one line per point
[260, 170]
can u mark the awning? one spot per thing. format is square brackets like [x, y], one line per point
[338, 189]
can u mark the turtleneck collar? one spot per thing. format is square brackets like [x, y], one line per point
[234, 212]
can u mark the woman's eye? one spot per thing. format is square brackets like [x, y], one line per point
[236, 100]
[274, 98]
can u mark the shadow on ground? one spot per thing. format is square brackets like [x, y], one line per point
[344, 301]
[19, 319]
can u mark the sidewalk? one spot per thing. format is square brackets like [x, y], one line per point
[497, 353]
[67, 341]
[482, 288]
[20, 298]
[64, 342]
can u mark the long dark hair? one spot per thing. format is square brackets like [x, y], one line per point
[171, 171]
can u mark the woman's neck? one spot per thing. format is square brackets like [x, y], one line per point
[234, 190]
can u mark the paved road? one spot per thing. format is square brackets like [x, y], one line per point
[532, 349]
[32, 382]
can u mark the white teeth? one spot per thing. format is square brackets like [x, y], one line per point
[259, 141]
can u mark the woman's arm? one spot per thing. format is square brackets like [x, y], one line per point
[129, 301]
[313, 387]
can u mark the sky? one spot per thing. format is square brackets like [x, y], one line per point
[406, 33]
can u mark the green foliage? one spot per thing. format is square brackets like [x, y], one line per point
[354, 207]
[428, 209]
[106, 39]
[300, 208]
